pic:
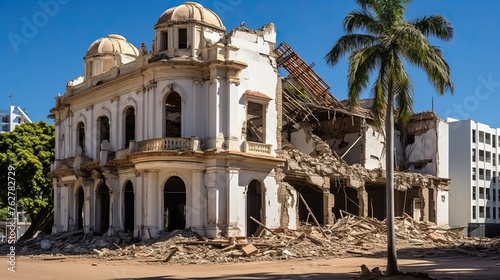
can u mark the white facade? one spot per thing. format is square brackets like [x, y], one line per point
[473, 163]
[12, 118]
[180, 137]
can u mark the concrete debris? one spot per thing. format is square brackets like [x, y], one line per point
[349, 236]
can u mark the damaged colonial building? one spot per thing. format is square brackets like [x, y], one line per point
[201, 132]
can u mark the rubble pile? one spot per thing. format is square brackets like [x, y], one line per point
[349, 236]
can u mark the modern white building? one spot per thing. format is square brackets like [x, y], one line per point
[475, 191]
[13, 117]
[180, 136]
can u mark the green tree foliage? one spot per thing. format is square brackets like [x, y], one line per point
[378, 40]
[30, 150]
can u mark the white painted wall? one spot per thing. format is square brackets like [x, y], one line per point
[375, 149]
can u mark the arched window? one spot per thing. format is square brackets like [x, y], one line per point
[103, 124]
[174, 204]
[80, 130]
[173, 115]
[129, 126]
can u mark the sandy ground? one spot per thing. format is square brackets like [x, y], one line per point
[456, 267]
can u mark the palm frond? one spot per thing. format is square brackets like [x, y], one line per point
[347, 44]
[403, 90]
[362, 20]
[434, 25]
[361, 63]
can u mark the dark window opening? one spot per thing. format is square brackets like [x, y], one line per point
[183, 42]
[255, 122]
[473, 193]
[411, 139]
[129, 126]
[164, 41]
[79, 209]
[102, 209]
[174, 204]
[173, 115]
[129, 208]
[103, 129]
[473, 136]
[81, 135]
[254, 207]
[474, 212]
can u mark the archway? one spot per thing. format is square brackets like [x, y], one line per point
[80, 197]
[254, 206]
[173, 107]
[174, 204]
[129, 204]
[102, 208]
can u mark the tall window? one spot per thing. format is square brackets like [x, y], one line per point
[255, 122]
[481, 193]
[488, 156]
[488, 215]
[481, 174]
[173, 115]
[493, 141]
[163, 41]
[494, 195]
[81, 135]
[129, 126]
[488, 175]
[473, 192]
[488, 138]
[473, 155]
[481, 136]
[481, 211]
[103, 129]
[481, 155]
[473, 136]
[473, 173]
[474, 212]
[487, 193]
[183, 44]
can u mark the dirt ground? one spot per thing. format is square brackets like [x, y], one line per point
[454, 267]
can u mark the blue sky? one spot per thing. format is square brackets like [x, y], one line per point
[43, 44]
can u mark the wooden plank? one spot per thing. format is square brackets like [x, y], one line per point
[310, 212]
[262, 225]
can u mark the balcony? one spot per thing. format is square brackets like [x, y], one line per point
[121, 154]
[257, 148]
[167, 144]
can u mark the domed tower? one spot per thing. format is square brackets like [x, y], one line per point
[105, 53]
[186, 29]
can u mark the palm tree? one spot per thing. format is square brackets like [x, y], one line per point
[384, 40]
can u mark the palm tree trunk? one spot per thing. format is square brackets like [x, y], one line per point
[392, 259]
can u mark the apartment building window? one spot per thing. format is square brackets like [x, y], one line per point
[488, 138]
[494, 177]
[473, 173]
[474, 136]
[488, 215]
[488, 156]
[474, 212]
[481, 136]
[481, 174]
[494, 195]
[481, 193]
[473, 193]
[487, 193]
[481, 211]
[493, 141]
[481, 155]
[498, 212]
[474, 155]
[494, 158]
[494, 213]
[488, 175]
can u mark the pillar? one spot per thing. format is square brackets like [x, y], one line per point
[198, 202]
[232, 201]
[424, 196]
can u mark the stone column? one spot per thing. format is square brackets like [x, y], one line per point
[57, 227]
[232, 201]
[88, 206]
[198, 202]
[363, 201]
[151, 203]
[64, 197]
[424, 196]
